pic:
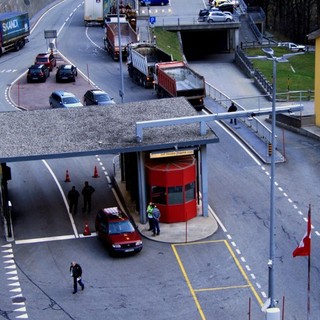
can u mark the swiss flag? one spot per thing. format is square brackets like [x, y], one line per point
[304, 248]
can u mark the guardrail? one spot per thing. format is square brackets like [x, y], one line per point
[252, 123]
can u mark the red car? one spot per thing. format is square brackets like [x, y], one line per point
[47, 59]
[116, 231]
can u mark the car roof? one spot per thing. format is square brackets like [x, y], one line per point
[97, 91]
[63, 93]
[113, 214]
[43, 54]
[37, 66]
[65, 66]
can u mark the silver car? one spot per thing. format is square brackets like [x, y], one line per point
[218, 16]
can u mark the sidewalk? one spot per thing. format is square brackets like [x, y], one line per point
[195, 229]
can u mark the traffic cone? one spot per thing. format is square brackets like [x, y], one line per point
[86, 231]
[67, 177]
[95, 173]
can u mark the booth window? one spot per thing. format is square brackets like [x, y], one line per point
[158, 194]
[190, 191]
[175, 195]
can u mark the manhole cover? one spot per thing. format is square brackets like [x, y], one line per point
[19, 299]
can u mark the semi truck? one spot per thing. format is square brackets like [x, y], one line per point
[93, 12]
[113, 39]
[141, 61]
[14, 30]
[176, 79]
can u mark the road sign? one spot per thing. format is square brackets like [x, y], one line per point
[152, 20]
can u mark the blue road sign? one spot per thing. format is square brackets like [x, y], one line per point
[152, 20]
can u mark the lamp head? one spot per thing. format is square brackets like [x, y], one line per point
[268, 51]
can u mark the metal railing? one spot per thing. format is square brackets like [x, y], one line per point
[254, 123]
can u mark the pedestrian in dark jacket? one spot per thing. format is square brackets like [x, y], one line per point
[233, 108]
[87, 192]
[156, 217]
[73, 196]
[76, 273]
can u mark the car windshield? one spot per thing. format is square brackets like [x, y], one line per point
[120, 227]
[102, 97]
[69, 100]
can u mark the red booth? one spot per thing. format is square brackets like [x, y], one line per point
[171, 185]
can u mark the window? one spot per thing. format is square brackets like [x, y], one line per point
[190, 191]
[158, 194]
[175, 195]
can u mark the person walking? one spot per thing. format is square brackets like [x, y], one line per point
[233, 108]
[87, 192]
[150, 216]
[76, 273]
[73, 196]
[156, 217]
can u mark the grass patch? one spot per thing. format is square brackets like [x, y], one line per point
[168, 42]
[295, 75]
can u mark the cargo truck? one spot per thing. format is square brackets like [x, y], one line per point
[142, 58]
[176, 79]
[93, 12]
[14, 30]
[113, 38]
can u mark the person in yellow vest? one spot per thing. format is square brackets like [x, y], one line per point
[150, 215]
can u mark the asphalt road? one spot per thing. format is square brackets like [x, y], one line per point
[214, 279]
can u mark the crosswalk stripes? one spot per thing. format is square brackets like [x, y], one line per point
[13, 282]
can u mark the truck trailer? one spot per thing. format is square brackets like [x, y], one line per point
[112, 37]
[176, 79]
[14, 30]
[142, 58]
[93, 12]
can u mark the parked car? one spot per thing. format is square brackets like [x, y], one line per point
[154, 2]
[47, 59]
[66, 72]
[116, 231]
[97, 97]
[63, 99]
[203, 14]
[218, 16]
[38, 73]
[229, 7]
[217, 3]
[292, 46]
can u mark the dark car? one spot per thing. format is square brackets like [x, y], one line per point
[229, 7]
[116, 231]
[66, 72]
[97, 97]
[47, 59]
[38, 73]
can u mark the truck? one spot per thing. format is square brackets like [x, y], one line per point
[14, 30]
[177, 79]
[93, 12]
[113, 39]
[141, 61]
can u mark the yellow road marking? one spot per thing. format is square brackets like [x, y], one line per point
[188, 282]
[193, 291]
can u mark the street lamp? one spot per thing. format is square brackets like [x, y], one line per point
[269, 55]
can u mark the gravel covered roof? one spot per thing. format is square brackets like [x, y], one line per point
[56, 133]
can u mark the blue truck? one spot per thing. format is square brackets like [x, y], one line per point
[14, 30]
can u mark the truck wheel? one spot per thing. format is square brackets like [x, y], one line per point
[17, 46]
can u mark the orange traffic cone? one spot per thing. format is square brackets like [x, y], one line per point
[67, 177]
[95, 173]
[86, 231]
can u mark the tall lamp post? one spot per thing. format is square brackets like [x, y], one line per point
[269, 55]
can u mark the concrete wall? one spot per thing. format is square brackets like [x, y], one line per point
[33, 7]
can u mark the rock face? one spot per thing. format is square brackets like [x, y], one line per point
[31, 6]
